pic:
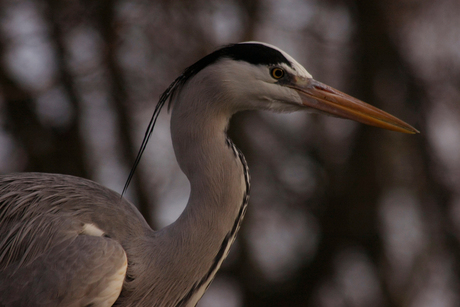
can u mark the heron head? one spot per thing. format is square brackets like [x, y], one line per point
[254, 75]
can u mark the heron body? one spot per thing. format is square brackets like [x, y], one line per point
[67, 241]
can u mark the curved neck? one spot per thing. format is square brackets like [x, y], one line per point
[201, 237]
[215, 169]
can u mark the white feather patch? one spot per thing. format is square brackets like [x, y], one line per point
[91, 230]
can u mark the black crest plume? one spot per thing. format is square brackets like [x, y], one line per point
[163, 98]
[187, 74]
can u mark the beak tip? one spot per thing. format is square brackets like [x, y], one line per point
[401, 128]
[410, 130]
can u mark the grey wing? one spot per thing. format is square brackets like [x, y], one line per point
[53, 251]
[86, 271]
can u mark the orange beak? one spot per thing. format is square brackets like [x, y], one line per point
[324, 98]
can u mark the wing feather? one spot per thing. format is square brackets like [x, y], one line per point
[61, 243]
[88, 270]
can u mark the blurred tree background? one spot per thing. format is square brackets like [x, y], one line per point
[340, 214]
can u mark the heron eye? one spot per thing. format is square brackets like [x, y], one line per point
[277, 73]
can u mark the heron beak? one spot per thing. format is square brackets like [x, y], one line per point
[324, 98]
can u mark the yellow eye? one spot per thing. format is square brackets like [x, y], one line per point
[277, 73]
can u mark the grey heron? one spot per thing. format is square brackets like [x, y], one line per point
[68, 241]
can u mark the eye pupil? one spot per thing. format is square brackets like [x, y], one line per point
[277, 73]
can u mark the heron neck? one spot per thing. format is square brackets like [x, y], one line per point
[217, 172]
